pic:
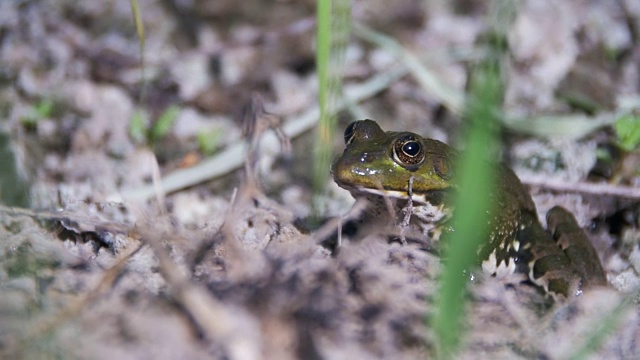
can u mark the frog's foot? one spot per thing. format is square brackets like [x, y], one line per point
[546, 265]
[576, 246]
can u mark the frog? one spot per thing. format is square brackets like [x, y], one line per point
[403, 172]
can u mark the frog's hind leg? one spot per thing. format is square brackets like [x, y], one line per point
[543, 261]
[576, 245]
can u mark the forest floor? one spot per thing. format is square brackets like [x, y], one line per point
[135, 232]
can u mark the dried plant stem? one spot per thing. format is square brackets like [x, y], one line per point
[233, 157]
[600, 189]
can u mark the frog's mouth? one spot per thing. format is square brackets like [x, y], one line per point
[435, 197]
[424, 208]
[396, 194]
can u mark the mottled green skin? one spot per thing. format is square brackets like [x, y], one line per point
[517, 240]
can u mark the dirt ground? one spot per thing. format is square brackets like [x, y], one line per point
[133, 230]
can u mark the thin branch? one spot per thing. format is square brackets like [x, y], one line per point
[600, 189]
[233, 157]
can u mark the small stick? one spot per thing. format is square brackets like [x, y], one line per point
[408, 211]
[601, 189]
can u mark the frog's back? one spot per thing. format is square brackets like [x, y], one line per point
[511, 209]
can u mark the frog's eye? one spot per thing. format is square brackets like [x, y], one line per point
[408, 151]
[350, 131]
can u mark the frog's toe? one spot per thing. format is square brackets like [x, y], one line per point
[560, 221]
[570, 237]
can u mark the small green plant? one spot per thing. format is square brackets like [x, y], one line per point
[627, 128]
[164, 123]
[22, 262]
[209, 141]
[41, 110]
[141, 132]
[138, 127]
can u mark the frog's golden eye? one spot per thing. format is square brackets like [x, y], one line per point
[408, 151]
[350, 132]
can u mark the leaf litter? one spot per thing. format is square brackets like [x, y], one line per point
[219, 268]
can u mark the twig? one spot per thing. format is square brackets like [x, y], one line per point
[600, 189]
[568, 126]
[408, 211]
[233, 157]
[435, 85]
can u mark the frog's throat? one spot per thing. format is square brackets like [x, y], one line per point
[431, 215]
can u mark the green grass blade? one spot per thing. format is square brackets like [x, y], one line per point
[333, 28]
[472, 208]
[476, 176]
[138, 134]
[137, 19]
[14, 188]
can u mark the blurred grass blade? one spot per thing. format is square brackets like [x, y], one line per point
[137, 19]
[475, 177]
[333, 28]
[135, 10]
[14, 189]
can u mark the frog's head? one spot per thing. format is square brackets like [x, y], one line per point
[381, 163]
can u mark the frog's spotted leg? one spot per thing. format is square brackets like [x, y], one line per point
[576, 246]
[543, 261]
[563, 262]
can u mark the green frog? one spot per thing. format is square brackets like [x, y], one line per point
[402, 171]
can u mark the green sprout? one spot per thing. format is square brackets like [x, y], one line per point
[627, 129]
[209, 140]
[164, 123]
